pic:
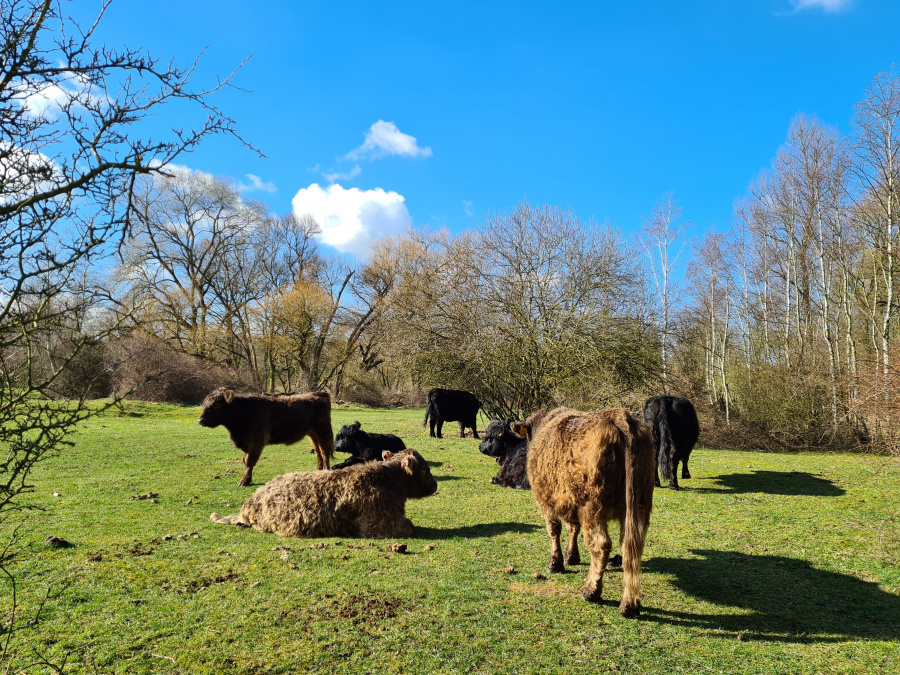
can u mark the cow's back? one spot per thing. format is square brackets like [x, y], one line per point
[577, 458]
[293, 416]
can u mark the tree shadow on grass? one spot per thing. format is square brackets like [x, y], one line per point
[794, 483]
[482, 531]
[781, 599]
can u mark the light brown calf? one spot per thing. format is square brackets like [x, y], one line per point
[363, 500]
[586, 469]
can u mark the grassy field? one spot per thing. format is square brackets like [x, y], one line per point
[764, 563]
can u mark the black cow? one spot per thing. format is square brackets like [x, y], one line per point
[364, 446]
[675, 431]
[510, 451]
[451, 405]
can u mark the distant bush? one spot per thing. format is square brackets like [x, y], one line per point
[151, 370]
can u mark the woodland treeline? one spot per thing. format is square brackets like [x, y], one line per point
[782, 328]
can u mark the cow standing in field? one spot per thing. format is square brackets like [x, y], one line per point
[675, 431]
[255, 421]
[510, 451]
[365, 500]
[364, 446]
[586, 469]
[451, 405]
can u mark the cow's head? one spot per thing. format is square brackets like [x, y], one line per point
[344, 442]
[527, 428]
[215, 408]
[499, 439]
[416, 472]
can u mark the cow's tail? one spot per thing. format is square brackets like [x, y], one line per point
[639, 472]
[237, 519]
[427, 414]
[666, 445]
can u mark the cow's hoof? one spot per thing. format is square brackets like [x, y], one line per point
[556, 567]
[674, 486]
[243, 483]
[574, 559]
[685, 475]
[629, 611]
[591, 593]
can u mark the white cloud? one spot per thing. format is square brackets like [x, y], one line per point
[384, 138]
[351, 219]
[467, 205]
[831, 6]
[350, 175]
[257, 184]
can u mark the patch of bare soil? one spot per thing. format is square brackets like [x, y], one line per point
[200, 584]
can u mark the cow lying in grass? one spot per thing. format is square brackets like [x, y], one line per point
[510, 451]
[255, 421]
[586, 469]
[364, 446]
[365, 500]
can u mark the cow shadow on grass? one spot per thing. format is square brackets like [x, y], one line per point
[793, 483]
[482, 531]
[775, 599]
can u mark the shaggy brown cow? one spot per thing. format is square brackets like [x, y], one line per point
[363, 500]
[254, 421]
[588, 468]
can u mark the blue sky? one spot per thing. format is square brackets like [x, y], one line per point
[436, 114]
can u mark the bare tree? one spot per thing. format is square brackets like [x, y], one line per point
[72, 145]
[660, 234]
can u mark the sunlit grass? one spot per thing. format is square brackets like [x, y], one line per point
[762, 564]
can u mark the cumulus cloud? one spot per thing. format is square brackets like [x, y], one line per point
[831, 6]
[383, 139]
[256, 184]
[350, 175]
[350, 219]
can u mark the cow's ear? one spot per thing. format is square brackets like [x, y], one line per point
[520, 429]
[387, 454]
[408, 462]
[228, 395]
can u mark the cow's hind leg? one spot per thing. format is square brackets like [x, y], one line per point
[596, 536]
[554, 527]
[462, 430]
[440, 426]
[684, 468]
[572, 555]
[251, 456]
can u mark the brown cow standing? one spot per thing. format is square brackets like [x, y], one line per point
[586, 469]
[255, 421]
[363, 500]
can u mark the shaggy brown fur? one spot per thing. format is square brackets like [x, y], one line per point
[363, 500]
[586, 469]
[255, 421]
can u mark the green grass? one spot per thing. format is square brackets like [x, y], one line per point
[764, 563]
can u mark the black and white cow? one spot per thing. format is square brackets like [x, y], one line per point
[451, 405]
[675, 431]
